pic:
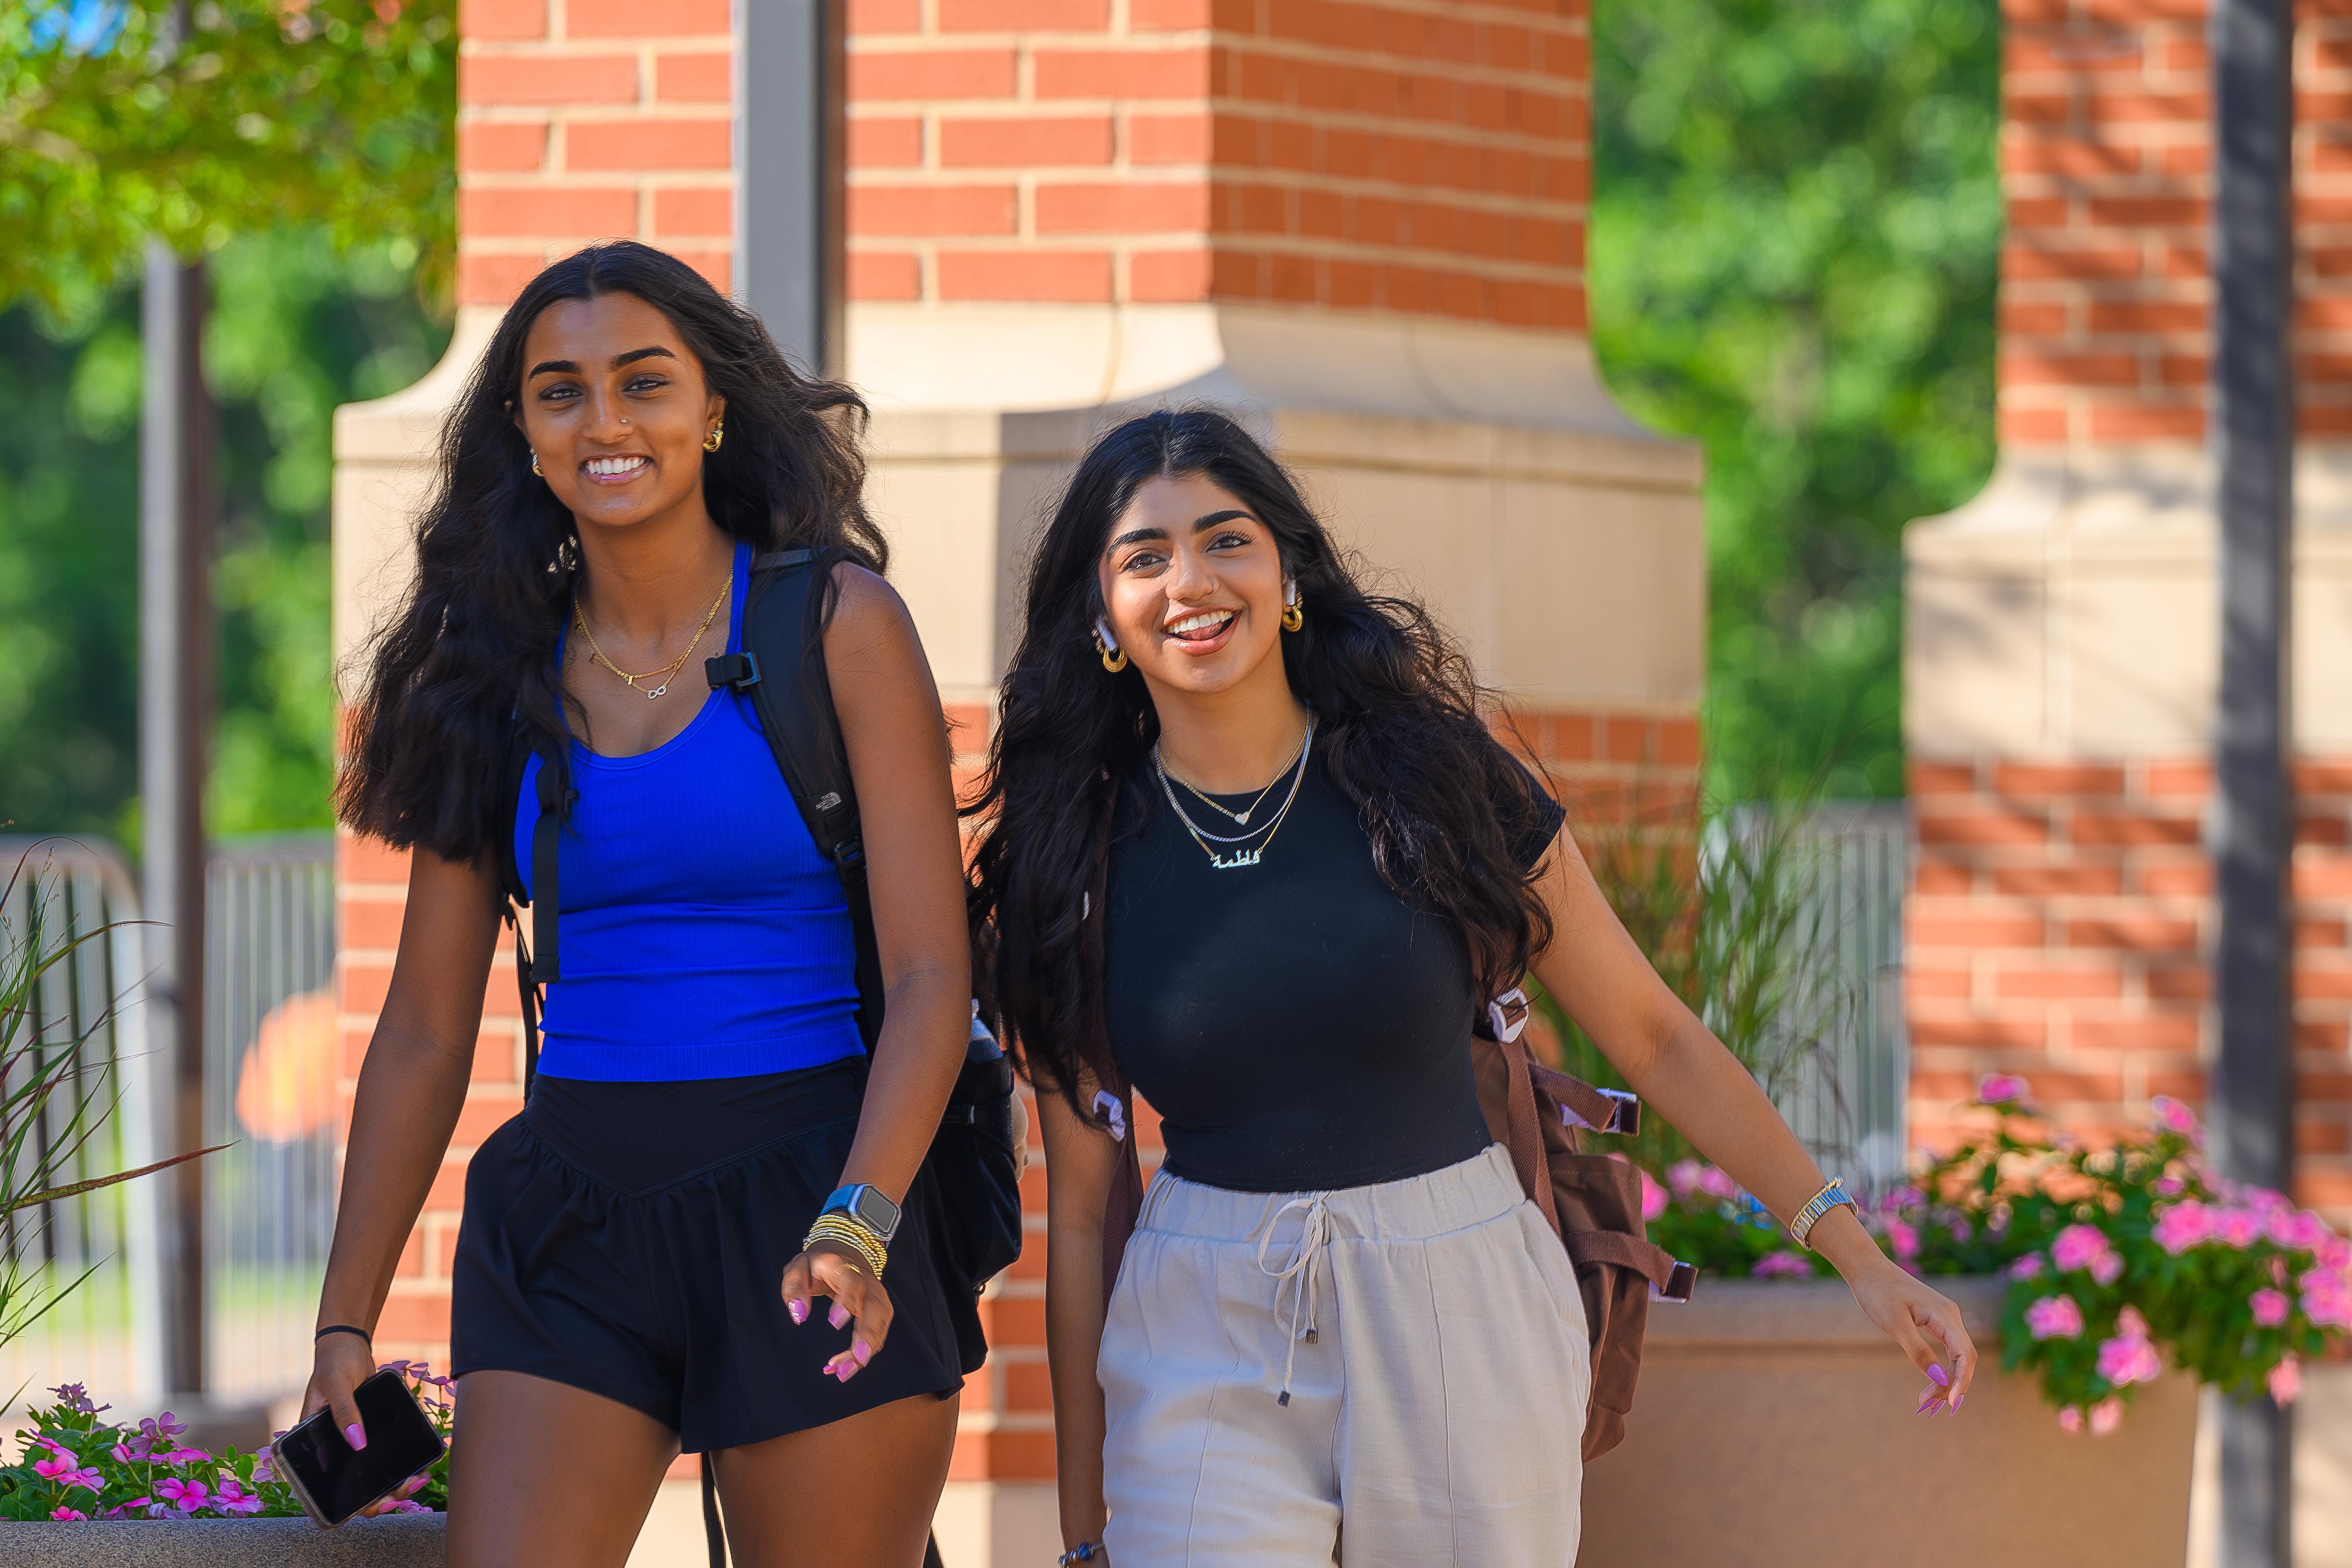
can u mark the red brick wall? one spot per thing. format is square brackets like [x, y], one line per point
[585, 119]
[2060, 927]
[1428, 158]
[2106, 157]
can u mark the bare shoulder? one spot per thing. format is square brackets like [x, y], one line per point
[868, 616]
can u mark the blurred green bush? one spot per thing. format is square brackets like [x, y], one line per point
[1795, 234]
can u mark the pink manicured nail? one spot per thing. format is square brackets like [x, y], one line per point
[838, 1316]
[355, 1437]
[1956, 1402]
[1939, 1376]
[798, 1310]
[863, 1352]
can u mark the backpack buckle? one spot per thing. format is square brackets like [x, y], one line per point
[1507, 1014]
[849, 858]
[739, 670]
[1679, 1283]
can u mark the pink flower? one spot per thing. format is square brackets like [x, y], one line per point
[186, 1496]
[2239, 1227]
[407, 1505]
[2270, 1307]
[2169, 1186]
[1717, 1185]
[2181, 1225]
[2297, 1230]
[2326, 1299]
[2055, 1318]
[2129, 1321]
[179, 1456]
[2127, 1359]
[123, 1455]
[61, 1513]
[1904, 1237]
[1784, 1263]
[2107, 1268]
[233, 1497]
[2026, 1267]
[2173, 1116]
[66, 1471]
[1654, 1200]
[2076, 1246]
[2335, 1253]
[2285, 1381]
[2070, 1420]
[1683, 1177]
[2105, 1416]
[2002, 1089]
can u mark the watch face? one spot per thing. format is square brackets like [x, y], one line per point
[877, 1211]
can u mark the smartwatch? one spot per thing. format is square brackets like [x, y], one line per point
[866, 1203]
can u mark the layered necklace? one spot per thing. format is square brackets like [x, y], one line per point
[580, 619]
[1264, 834]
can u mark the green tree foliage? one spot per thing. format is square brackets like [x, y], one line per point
[297, 327]
[1794, 241]
[125, 118]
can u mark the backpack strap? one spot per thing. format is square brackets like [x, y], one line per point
[1670, 1281]
[782, 669]
[556, 797]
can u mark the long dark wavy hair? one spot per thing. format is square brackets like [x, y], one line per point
[1398, 729]
[468, 656]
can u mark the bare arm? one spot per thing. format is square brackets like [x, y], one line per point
[412, 1087]
[1672, 1060]
[897, 738]
[1081, 1160]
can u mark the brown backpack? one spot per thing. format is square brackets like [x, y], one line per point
[1592, 1202]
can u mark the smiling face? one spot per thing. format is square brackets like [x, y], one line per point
[615, 406]
[1194, 585]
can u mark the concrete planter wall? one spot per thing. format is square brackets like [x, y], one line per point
[1774, 1425]
[400, 1540]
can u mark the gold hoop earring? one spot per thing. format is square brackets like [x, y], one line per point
[717, 434]
[535, 468]
[1114, 658]
[1292, 616]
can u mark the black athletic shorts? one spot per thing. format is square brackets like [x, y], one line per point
[630, 1240]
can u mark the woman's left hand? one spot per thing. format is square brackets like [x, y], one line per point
[831, 1271]
[1926, 1322]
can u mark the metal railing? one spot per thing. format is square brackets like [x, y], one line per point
[100, 1254]
[271, 1054]
[271, 1060]
[1845, 1088]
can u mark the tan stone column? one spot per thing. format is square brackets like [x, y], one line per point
[2061, 656]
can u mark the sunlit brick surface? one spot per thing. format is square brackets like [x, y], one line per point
[2062, 927]
[1425, 159]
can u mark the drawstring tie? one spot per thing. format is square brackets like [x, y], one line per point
[1299, 1274]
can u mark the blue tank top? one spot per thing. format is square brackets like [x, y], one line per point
[703, 934]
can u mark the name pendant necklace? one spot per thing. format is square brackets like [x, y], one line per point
[1239, 857]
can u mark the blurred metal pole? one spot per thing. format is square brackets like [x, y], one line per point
[790, 196]
[2254, 817]
[175, 476]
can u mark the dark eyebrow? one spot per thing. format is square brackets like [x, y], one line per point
[1215, 518]
[1137, 536]
[572, 367]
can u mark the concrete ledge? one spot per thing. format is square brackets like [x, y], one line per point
[402, 1540]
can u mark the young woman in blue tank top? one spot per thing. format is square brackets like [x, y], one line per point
[641, 1266]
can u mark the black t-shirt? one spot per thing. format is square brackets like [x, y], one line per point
[1298, 1025]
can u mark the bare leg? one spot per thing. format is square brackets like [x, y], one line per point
[858, 1493]
[544, 1474]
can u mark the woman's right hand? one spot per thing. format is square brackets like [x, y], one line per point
[338, 1364]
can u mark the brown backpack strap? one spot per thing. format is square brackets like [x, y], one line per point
[1523, 1131]
[1601, 1109]
[1669, 1280]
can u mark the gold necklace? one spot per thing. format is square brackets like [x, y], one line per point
[1239, 859]
[1241, 818]
[580, 619]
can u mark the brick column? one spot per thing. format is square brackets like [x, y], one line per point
[2062, 663]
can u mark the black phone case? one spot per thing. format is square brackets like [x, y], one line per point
[408, 1427]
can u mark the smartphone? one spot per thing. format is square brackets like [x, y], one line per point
[331, 1480]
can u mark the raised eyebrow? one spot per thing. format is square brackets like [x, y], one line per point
[1200, 524]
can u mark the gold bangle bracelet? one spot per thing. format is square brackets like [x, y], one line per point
[853, 1234]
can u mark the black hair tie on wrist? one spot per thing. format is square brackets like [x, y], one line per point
[343, 1329]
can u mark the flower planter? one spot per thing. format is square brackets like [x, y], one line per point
[397, 1540]
[1773, 1426]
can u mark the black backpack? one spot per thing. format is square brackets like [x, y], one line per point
[972, 1201]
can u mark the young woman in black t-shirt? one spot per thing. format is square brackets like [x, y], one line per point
[1250, 848]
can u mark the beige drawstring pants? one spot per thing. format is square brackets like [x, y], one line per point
[1390, 1376]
